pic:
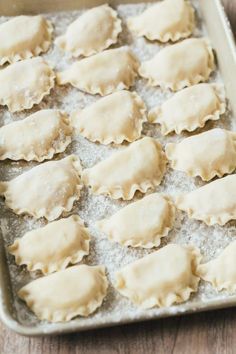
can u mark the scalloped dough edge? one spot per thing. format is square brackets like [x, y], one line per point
[31, 53]
[156, 238]
[155, 115]
[58, 211]
[106, 140]
[61, 40]
[57, 147]
[64, 262]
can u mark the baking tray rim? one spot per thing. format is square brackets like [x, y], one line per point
[62, 328]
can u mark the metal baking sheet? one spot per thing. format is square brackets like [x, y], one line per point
[212, 23]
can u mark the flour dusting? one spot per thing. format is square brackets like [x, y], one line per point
[210, 240]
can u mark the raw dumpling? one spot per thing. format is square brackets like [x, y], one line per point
[103, 73]
[52, 247]
[180, 65]
[161, 278]
[23, 37]
[25, 83]
[221, 272]
[78, 290]
[214, 203]
[92, 32]
[154, 217]
[112, 119]
[209, 154]
[190, 108]
[168, 20]
[135, 168]
[46, 190]
[37, 137]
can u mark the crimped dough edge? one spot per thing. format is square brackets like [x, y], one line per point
[173, 297]
[167, 226]
[49, 215]
[42, 48]
[65, 316]
[56, 147]
[51, 267]
[61, 40]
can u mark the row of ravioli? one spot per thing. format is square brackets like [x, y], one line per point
[63, 242]
[169, 20]
[53, 186]
[115, 118]
[27, 82]
[104, 71]
[162, 278]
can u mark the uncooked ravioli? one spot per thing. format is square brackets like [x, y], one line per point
[196, 156]
[214, 203]
[180, 65]
[154, 217]
[95, 30]
[52, 247]
[102, 73]
[75, 291]
[37, 137]
[161, 278]
[138, 167]
[24, 37]
[25, 83]
[168, 20]
[189, 108]
[112, 119]
[46, 190]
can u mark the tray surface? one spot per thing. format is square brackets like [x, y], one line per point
[210, 240]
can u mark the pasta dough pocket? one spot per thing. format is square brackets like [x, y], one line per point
[161, 278]
[76, 291]
[190, 108]
[135, 168]
[37, 137]
[168, 20]
[214, 203]
[221, 271]
[112, 119]
[25, 83]
[53, 247]
[154, 217]
[195, 156]
[103, 73]
[92, 32]
[46, 190]
[179, 65]
[24, 37]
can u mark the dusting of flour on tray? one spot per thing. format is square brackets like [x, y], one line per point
[211, 240]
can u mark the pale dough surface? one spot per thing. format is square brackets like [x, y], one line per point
[190, 108]
[92, 32]
[25, 83]
[115, 118]
[53, 247]
[103, 73]
[142, 223]
[75, 291]
[161, 278]
[180, 65]
[168, 20]
[38, 137]
[138, 167]
[221, 271]
[46, 190]
[214, 203]
[24, 37]
[196, 156]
